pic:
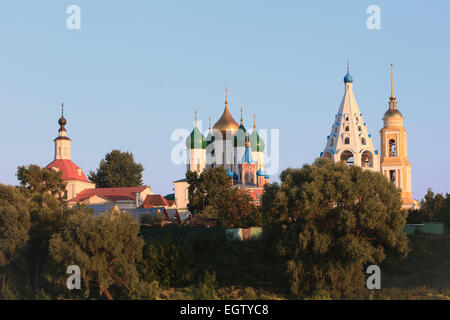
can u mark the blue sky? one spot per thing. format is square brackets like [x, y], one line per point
[137, 70]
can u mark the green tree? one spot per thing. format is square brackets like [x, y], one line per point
[106, 248]
[212, 195]
[118, 169]
[14, 226]
[45, 191]
[40, 182]
[339, 219]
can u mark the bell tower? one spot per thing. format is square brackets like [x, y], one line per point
[394, 152]
[62, 142]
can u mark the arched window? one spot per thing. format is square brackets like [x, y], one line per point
[346, 118]
[331, 142]
[367, 159]
[392, 148]
[363, 141]
[347, 158]
[347, 128]
[335, 130]
[347, 140]
[359, 128]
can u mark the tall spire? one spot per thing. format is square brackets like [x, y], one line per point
[210, 130]
[254, 121]
[196, 118]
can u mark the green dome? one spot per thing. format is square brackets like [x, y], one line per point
[196, 140]
[239, 137]
[256, 142]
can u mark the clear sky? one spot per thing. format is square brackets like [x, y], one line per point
[137, 70]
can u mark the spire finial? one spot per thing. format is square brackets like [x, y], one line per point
[226, 95]
[254, 121]
[348, 65]
[393, 97]
[210, 124]
[242, 120]
[196, 118]
[62, 109]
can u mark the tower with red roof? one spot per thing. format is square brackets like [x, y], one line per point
[71, 173]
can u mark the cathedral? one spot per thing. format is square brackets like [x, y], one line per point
[230, 145]
[350, 142]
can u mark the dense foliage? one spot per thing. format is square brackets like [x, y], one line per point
[118, 169]
[337, 219]
[433, 208]
[322, 226]
[212, 196]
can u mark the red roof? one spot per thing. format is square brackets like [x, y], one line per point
[70, 171]
[114, 194]
[156, 200]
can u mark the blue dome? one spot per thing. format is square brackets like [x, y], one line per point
[260, 172]
[348, 78]
[229, 173]
[235, 176]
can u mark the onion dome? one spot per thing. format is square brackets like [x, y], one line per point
[239, 136]
[256, 142]
[235, 176]
[196, 140]
[226, 121]
[348, 78]
[260, 173]
[230, 173]
[267, 176]
[62, 121]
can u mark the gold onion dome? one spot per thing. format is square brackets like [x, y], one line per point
[226, 121]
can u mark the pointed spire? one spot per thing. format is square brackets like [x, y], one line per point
[210, 130]
[254, 121]
[392, 97]
[348, 66]
[196, 118]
